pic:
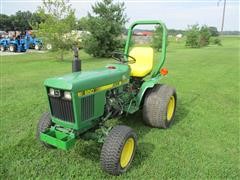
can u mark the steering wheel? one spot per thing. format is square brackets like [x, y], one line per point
[123, 58]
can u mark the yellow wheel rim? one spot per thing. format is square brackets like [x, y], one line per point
[170, 108]
[127, 152]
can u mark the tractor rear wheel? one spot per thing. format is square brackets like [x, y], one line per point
[49, 46]
[44, 124]
[160, 106]
[12, 48]
[118, 150]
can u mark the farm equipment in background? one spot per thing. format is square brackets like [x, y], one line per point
[33, 42]
[81, 102]
[4, 44]
[18, 44]
[21, 43]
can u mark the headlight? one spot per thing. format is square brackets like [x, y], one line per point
[51, 91]
[67, 95]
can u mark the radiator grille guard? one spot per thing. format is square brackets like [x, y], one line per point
[62, 109]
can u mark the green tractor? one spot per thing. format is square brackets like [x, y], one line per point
[80, 102]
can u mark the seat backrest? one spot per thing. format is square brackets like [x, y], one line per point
[144, 61]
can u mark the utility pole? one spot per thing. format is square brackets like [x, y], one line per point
[223, 16]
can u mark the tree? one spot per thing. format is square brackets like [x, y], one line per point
[193, 36]
[20, 21]
[198, 37]
[82, 23]
[59, 20]
[105, 25]
[213, 30]
[5, 24]
[205, 35]
[157, 38]
[35, 20]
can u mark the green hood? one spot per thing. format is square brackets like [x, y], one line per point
[83, 80]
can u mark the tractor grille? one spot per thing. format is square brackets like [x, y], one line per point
[87, 107]
[62, 109]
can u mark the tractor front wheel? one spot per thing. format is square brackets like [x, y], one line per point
[159, 106]
[12, 48]
[44, 124]
[2, 48]
[37, 47]
[118, 150]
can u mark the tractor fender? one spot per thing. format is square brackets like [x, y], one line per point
[146, 85]
[13, 43]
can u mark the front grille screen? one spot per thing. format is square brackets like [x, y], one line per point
[62, 109]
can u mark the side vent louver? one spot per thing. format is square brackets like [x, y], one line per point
[87, 107]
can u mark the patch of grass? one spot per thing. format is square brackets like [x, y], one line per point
[202, 143]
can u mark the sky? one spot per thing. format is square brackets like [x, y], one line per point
[177, 14]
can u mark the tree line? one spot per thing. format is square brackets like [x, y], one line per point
[20, 21]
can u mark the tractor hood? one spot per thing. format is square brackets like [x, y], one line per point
[83, 80]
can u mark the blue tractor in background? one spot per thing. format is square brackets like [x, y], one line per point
[33, 42]
[19, 44]
[4, 44]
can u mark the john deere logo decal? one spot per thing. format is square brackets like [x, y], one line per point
[56, 93]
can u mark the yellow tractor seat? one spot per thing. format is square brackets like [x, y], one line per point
[144, 61]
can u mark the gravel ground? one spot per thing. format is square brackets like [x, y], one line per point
[6, 53]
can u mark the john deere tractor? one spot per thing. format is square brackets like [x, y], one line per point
[80, 102]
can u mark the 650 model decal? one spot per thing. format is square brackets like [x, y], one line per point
[102, 88]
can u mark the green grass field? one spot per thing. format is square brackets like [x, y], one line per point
[202, 143]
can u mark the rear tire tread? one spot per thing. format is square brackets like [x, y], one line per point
[155, 106]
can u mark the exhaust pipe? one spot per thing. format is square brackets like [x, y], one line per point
[76, 63]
